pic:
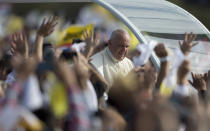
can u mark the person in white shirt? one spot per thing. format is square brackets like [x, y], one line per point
[112, 62]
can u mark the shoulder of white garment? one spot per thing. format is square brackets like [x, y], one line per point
[97, 61]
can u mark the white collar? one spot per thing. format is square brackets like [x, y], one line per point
[110, 55]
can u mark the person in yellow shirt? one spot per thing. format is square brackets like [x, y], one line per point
[112, 62]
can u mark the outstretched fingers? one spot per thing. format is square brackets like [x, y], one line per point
[186, 37]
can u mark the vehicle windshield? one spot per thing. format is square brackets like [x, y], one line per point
[165, 22]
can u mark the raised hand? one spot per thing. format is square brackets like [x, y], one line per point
[91, 42]
[198, 82]
[47, 26]
[91, 39]
[19, 44]
[162, 53]
[187, 44]
[160, 50]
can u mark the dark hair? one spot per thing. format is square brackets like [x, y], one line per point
[5, 64]
[68, 54]
[75, 41]
[48, 52]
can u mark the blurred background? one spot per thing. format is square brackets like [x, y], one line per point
[28, 16]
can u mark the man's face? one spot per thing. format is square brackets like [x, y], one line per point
[119, 46]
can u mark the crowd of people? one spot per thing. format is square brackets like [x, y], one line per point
[97, 87]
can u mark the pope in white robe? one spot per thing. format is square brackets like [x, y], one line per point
[112, 62]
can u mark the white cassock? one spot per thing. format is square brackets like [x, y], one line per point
[109, 67]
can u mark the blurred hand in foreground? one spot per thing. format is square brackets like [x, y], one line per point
[19, 44]
[47, 26]
[198, 82]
